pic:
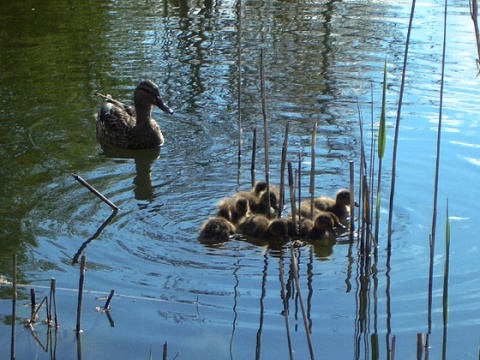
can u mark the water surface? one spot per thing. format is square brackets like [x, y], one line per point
[323, 61]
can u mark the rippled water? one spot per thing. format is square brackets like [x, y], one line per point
[321, 59]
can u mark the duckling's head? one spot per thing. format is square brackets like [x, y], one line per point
[343, 197]
[242, 207]
[273, 200]
[259, 187]
[224, 213]
[147, 93]
[278, 228]
[325, 222]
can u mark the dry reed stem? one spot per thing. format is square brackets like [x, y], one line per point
[96, 192]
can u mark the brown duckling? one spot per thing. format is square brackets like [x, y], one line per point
[259, 205]
[340, 206]
[132, 128]
[233, 209]
[318, 228]
[260, 227]
[305, 213]
[215, 230]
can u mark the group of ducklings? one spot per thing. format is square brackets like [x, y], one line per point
[248, 212]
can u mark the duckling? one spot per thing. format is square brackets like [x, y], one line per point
[233, 209]
[318, 228]
[259, 205]
[132, 128]
[260, 187]
[260, 227]
[340, 206]
[215, 230]
[306, 213]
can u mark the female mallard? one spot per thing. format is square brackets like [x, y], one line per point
[260, 227]
[132, 128]
[340, 206]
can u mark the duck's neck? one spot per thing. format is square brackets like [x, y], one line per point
[144, 112]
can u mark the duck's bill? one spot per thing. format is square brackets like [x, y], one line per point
[164, 107]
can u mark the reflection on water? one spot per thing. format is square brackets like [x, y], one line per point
[322, 60]
[143, 166]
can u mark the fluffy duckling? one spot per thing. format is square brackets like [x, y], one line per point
[318, 228]
[215, 230]
[260, 227]
[306, 213]
[340, 206]
[233, 209]
[260, 187]
[132, 128]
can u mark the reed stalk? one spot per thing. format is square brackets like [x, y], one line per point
[446, 272]
[33, 302]
[352, 200]
[397, 128]
[96, 192]
[80, 292]
[281, 199]
[14, 306]
[53, 301]
[436, 177]
[165, 351]
[254, 151]
[300, 298]
[291, 187]
[312, 169]
[299, 187]
[473, 4]
[265, 128]
[239, 82]
[285, 305]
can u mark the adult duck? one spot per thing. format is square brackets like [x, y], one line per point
[132, 128]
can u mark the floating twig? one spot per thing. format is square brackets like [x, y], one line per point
[96, 192]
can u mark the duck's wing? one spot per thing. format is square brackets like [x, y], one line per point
[114, 123]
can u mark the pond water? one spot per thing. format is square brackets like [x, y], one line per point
[323, 61]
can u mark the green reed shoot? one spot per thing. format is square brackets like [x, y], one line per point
[382, 139]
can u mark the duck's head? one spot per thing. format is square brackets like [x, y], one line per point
[325, 222]
[148, 93]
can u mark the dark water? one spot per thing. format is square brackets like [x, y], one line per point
[321, 59]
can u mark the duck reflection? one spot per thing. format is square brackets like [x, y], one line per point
[144, 159]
